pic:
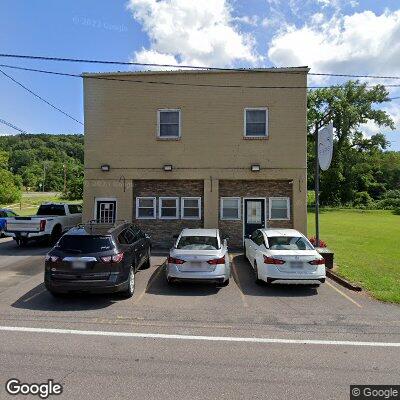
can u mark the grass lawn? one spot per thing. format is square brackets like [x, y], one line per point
[366, 246]
[31, 200]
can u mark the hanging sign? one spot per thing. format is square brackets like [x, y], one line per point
[325, 146]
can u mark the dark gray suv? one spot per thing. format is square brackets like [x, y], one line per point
[100, 258]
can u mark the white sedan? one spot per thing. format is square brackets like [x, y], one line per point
[199, 255]
[284, 255]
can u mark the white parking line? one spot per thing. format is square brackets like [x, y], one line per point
[199, 338]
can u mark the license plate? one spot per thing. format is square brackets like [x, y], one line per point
[78, 265]
[296, 265]
[24, 234]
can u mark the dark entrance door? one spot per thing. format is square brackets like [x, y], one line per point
[105, 211]
[254, 215]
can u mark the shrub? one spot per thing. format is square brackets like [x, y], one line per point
[313, 241]
[396, 211]
[10, 187]
[390, 201]
[363, 200]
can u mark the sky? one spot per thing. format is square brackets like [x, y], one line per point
[339, 36]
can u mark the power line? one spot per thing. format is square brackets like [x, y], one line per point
[40, 98]
[173, 83]
[114, 62]
[12, 126]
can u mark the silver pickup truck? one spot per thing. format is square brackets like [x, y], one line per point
[49, 223]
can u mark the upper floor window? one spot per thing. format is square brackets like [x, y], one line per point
[256, 122]
[169, 124]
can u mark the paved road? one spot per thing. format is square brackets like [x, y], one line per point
[167, 361]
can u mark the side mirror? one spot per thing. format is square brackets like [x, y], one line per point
[225, 243]
[175, 236]
[147, 236]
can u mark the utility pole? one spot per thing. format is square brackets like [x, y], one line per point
[316, 184]
[65, 177]
[44, 175]
[318, 124]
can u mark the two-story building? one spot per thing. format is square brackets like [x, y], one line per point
[213, 149]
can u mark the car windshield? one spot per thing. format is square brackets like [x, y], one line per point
[51, 209]
[288, 243]
[197, 243]
[85, 244]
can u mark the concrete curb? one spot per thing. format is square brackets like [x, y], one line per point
[342, 281]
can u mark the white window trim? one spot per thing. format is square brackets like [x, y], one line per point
[137, 207]
[287, 208]
[160, 199]
[222, 209]
[100, 199]
[266, 121]
[159, 111]
[183, 207]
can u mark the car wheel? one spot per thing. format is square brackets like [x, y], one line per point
[223, 283]
[147, 263]
[55, 235]
[128, 293]
[22, 242]
[258, 281]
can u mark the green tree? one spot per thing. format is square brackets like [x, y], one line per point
[352, 105]
[10, 189]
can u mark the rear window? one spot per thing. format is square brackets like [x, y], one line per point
[288, 243]
[197, 243]
[85, 244]
[51, 209]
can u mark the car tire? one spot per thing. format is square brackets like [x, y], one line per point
[56, 233]
[128, 293]
[21, 242]
[147, 263]
[258, 281]
[223, 283]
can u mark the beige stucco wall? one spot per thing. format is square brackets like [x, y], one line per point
[121, 127]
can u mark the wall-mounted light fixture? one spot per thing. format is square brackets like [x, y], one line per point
[255, 168]
[105, 167]
[167, 167]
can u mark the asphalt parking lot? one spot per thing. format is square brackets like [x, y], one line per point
[193, 341]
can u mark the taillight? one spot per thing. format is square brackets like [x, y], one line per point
[217, 261]
[271, 260]
[52, 258]
[172, 260]
[318, 261]
[116, 258]
[42, 225]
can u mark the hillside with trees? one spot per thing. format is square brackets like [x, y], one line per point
[30, 161]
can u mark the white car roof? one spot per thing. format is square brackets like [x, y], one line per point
[199, 232]
[280, 232]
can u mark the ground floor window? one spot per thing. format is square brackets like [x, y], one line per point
[168, 207]
[145, 207]
[191, 208]
[230, 208]
[279, 208]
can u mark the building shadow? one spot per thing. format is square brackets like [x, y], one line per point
[158, 285]
[244, 277]
[39, 298]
